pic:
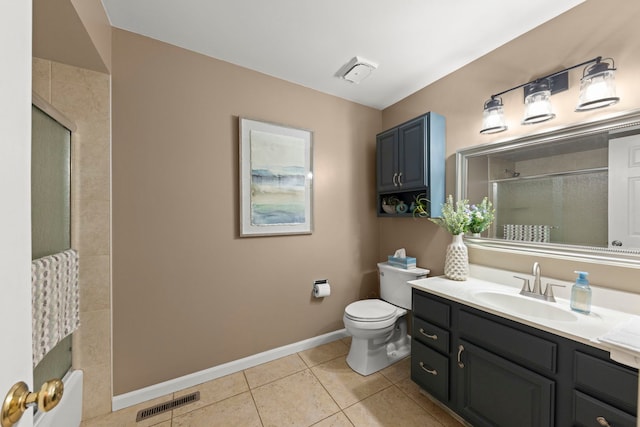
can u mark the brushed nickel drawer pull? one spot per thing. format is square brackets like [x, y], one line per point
[460, 350]
[430, 371]
[603, 421]
[433, 337]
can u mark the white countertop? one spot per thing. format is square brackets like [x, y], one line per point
[609, 309]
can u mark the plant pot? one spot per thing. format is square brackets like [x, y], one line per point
[456, 264]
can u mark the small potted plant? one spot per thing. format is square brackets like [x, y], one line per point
[420, 206]
[481, 216]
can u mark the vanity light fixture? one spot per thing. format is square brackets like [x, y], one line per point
[537, 103]
[597, 90]
[493, 116]
[597, 86]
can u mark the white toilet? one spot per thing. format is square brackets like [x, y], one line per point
[378, 327]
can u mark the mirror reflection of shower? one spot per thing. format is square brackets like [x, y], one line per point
[50, 209]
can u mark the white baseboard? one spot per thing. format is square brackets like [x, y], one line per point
[157, 390]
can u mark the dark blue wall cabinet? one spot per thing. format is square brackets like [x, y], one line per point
[495, 372]
[410, 164]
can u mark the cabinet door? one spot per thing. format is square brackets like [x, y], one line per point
[412, 154]
[387, 160]
[495, 392]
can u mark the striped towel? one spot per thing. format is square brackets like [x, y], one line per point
[55, 297]
[527, 233]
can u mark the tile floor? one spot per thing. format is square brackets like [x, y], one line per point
[315, 387]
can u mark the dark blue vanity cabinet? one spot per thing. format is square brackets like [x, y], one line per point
[411, 162]
[496, 372]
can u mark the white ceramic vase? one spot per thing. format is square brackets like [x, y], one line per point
[456, 264]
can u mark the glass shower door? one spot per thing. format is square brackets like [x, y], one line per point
[50, 215]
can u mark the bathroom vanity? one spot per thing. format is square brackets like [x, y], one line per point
[525, 366]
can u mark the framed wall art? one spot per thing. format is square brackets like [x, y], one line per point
[276, 177]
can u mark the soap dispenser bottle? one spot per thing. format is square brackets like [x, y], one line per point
[581, 293]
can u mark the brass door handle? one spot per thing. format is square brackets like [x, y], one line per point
[20, 398]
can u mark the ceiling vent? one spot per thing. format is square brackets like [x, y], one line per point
[357, 70]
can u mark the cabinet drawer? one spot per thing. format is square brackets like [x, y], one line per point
[587, 410]
[605, 380]
[431, 335]
[430, 309]
[518, 346]
[430, 370]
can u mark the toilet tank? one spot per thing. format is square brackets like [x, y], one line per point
[394, 288]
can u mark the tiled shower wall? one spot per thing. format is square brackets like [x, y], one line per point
[83, 96]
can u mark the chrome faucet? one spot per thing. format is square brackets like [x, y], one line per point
[536, 279]
[536, 292]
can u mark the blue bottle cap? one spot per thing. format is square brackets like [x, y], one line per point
[582, 277]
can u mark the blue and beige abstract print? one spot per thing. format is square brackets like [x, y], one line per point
[277, 179]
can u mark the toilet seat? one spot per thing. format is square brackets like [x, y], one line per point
[370, 310]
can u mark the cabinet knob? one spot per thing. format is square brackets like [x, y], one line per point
[400, 179]
[603, 421]
[394, 180]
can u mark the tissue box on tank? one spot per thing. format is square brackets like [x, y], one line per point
[407, 263]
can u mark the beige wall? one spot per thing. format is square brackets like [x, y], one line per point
[83, 97]
[73, 32]
[188, 292]
[98, 28]
[595, 28]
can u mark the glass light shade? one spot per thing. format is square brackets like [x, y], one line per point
[493, 117]
[537, 104]
[597, 88]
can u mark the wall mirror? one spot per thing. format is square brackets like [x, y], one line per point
[572, 192]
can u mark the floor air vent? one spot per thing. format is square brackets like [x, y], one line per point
[143, 414]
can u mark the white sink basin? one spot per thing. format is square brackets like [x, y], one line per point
[525, 306]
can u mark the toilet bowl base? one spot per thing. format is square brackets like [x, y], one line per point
[367, 356]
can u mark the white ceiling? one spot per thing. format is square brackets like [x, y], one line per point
[414, 42]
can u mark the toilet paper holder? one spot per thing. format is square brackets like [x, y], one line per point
[321, 288]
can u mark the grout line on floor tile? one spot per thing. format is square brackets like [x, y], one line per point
[277, 379]
[304, 361]
[253, 399]
[327, 417]
[390, 379]
[444, 408]
[321, 363]
[325, 389]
